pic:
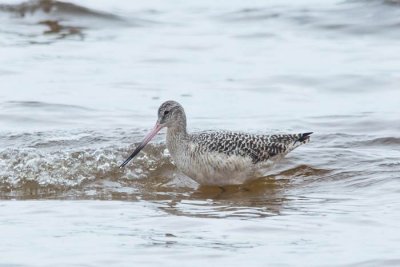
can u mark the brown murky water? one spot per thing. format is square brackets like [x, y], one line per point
[80, 86]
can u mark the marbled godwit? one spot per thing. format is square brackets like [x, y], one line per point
[218, 158]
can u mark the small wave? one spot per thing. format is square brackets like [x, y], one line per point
[42, 114]
[61, 19]
[251, 14]
[381, 141]
[56, 8]
[392, 2]
[378, 2]
[303, 170]
[386, 141]
[350, 17]
[43, 105]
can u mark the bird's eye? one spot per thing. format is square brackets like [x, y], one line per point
[166, 112]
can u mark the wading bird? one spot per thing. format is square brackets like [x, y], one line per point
[218, 157]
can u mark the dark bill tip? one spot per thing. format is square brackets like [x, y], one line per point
[142, 144]
[135, 152]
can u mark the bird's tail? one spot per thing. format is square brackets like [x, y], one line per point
[304, 138]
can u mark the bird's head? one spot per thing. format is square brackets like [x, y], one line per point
[170, 115]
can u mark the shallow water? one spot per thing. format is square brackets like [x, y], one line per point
[81, 84]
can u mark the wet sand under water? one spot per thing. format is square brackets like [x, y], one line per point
[81, 88]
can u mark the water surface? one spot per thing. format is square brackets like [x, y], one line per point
[81, 82]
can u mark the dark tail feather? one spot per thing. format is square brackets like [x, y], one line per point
[304, 137]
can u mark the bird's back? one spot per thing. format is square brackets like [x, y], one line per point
[258, 147]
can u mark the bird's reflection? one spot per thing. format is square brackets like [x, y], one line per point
[266, 196]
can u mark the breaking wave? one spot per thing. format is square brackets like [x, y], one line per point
[55, 163]
[67, 160]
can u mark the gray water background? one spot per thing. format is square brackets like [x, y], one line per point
[80, 84]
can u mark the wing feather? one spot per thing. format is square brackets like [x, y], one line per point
[257, 147]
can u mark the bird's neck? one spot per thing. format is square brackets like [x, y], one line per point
[177, 138]
[177, 132]
[178, 129]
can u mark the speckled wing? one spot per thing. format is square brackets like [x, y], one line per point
[258, 147]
